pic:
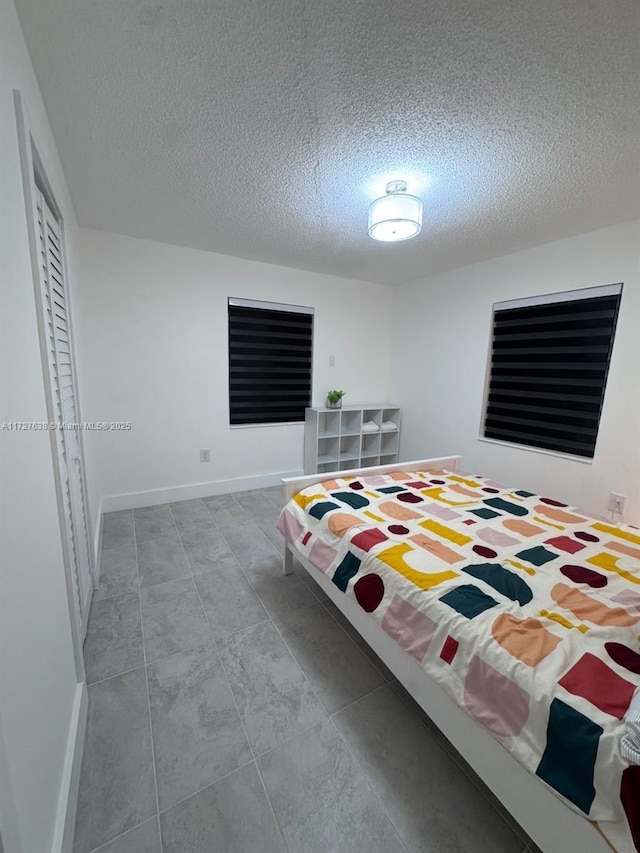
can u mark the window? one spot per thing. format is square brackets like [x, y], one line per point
[270, 355]
[549, 363]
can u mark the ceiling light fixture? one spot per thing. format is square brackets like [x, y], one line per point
[395, 216]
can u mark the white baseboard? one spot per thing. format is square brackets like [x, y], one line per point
[153, 497]
[68, 799]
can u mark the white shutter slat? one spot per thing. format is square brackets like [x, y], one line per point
[55, 272]
[54, 246]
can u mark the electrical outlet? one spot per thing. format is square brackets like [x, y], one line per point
[205, 456]
[616, 502]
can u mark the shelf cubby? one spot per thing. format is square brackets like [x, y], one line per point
[351, 422]
[374, 415]
[388, 443]
[370, 449]
[349, 447]
[329, 424]
[328, 450]
[391, 414]
[325, 467]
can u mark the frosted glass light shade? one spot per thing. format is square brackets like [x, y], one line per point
[396, 216]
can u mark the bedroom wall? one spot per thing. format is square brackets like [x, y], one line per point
[37, 669]
[439, 359]
[153, 351]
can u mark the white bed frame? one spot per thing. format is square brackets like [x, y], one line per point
[553, 826]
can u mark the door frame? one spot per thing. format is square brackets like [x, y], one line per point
[33, 169]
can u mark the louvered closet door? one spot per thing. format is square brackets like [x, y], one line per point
[63, 393]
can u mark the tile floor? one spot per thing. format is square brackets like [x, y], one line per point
[234, 710]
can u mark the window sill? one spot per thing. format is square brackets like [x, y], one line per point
[260, 426]
[542, 450]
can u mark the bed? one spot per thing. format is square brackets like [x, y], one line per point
[511, 618]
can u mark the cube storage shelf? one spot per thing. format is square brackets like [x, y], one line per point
[334, 439]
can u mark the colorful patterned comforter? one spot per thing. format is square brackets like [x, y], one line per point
[524, 610]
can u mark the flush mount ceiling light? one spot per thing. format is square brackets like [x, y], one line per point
[395, 216]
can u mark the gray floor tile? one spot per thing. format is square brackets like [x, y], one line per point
[153, 523]
[143, 839]
[249, 544]
[116, 586]
[337, 669]
[308, 580]
[263, 566]
[229, 600]
[275, 495]
[114, 637]
[161, 560]
[118, 571]
[118, 560]
[430, 801]
[197, 733]
[116, 789]
[280, 593]
[208, 551]
[426, 720]
[272, 533]
[273, 695]
[225, 509]
[358, 639]
[267, 513]
[191, 515]
[232, 816]
[449, 748]
[322, 800]
[258, 505]
[172, 618]
[117, 528]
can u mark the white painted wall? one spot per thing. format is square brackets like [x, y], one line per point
[37, 670]
[153, 351]
[439, 359]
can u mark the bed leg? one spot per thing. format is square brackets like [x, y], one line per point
[287, 565]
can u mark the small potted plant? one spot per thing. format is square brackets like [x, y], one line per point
[334, 399]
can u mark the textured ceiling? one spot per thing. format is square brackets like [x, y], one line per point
[263, 128]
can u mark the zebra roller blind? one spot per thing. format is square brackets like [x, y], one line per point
[270, 359]
[549, 363]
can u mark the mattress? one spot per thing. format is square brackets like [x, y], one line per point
[523, 609]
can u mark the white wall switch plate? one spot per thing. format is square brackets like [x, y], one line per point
[205, 456]
[616, 502]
